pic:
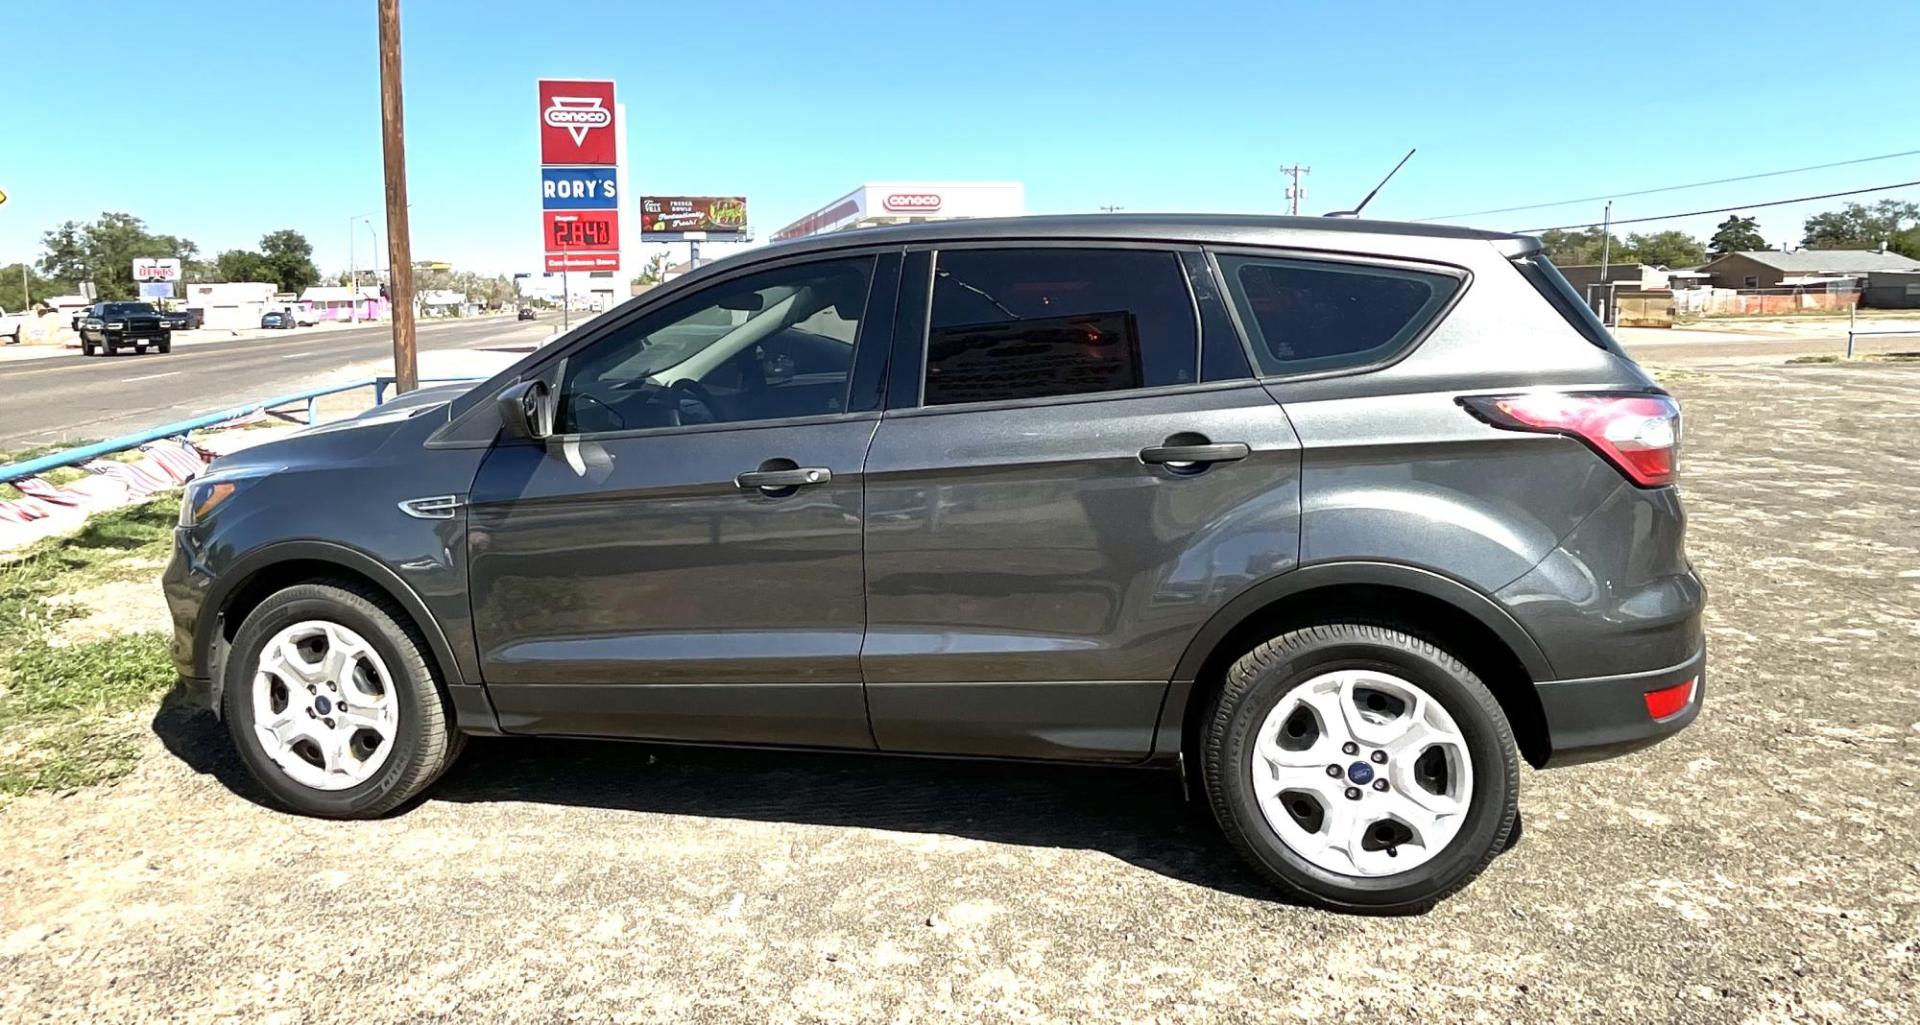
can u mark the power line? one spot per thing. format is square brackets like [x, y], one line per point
[1675, 188]
[1725, 209]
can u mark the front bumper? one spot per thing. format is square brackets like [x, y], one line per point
[1591, 719]
[186, 586]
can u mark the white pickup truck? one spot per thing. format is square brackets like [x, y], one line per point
[10, 326]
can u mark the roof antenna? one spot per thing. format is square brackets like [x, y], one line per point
[1355, 212]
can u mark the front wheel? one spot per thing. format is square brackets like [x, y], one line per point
[86, 347]
[165, 345]
[330, 698]
[1361, 768]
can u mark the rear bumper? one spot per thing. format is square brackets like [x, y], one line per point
[1602, 717]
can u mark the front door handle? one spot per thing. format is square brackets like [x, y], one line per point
[1222, 452]
[781, 480]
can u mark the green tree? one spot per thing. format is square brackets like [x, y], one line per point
[1860, 227]
[65, 252]
[39, 288]
[242, 265]
[288, 259]
[654, 271]
[1568, 248]
[1665, 249]
[1736, 234]
[103, 252]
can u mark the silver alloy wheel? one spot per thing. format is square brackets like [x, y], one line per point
[324, 705]
[1362, 773]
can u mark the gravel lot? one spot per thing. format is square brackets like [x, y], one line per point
[1762, 866]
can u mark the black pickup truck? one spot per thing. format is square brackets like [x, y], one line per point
[110, 327]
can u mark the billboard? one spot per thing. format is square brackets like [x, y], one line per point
[148, 268]
[576, 122]
[679, 215]
[579, 188]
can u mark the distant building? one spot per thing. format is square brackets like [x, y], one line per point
[1635, 276]
[877, 203]
[231, 305]
[337, 302]
[1892, 290]
[1805, 268]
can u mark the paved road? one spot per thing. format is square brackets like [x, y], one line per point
[78, 398]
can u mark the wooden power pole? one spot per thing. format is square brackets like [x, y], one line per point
[406, 367]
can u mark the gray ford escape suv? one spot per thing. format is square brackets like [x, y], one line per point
[1339, 517]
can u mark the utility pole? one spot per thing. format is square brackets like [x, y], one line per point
[1606, 239]
[1294, 192]
[406, 367]
[26, 297]
[353, 280]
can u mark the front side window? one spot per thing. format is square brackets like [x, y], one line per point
[1304, 316]
[1032, 323]
[766, 346]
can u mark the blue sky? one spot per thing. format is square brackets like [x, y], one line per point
[267, 115]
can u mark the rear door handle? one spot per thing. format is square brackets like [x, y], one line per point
[1222, 452]
[780, 480]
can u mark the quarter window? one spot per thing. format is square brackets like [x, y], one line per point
[1034, 323]
[1303, 316]
[767, 346]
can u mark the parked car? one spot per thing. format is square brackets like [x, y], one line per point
[1341, 519]
[277, 320]
[526, 313]
[111, 326]
[10, 326]
[188, 319]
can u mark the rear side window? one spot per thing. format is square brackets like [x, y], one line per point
[1304, 316]
[1034, 323]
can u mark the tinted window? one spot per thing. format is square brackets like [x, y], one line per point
[1029, 323]
[766, 346]
[1304, 316]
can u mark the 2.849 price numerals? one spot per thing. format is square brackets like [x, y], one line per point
[581, 233]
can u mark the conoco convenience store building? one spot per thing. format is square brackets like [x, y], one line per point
[905, 202]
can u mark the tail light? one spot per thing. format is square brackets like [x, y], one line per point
[1639, 434]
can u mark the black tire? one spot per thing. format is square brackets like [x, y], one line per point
[165, 345]
[108, 347]
[86, 347]
[1260, 679]
[426, 741]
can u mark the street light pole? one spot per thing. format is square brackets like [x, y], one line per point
[353, 280]
[406, 367]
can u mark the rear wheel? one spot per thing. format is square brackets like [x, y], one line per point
[1361, 768]
[331, 700]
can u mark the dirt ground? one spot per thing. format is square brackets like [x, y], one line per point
[1763, 866]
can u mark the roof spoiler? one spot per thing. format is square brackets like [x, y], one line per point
[1514, 247]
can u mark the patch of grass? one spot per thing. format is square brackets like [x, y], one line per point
[63, 705]
[1879, 357]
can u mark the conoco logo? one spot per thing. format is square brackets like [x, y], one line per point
[578, 115]
[913, 201]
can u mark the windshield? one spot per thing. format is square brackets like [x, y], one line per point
[128, 309]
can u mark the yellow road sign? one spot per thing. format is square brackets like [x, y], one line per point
[3, 197]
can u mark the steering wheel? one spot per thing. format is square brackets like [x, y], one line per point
[688, 388]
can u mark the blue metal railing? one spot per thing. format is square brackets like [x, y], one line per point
[68, 457]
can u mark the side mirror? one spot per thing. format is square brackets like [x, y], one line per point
[526, 410]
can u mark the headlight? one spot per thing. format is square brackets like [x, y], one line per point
[91, 324]
[115, 325]
[205, 494]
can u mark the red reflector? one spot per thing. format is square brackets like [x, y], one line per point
[1638, 434]
[1670, 700]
